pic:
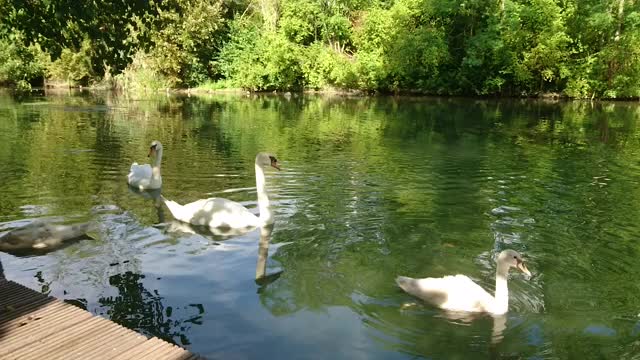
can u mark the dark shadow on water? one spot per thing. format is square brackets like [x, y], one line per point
[80, 302]
[142, 310]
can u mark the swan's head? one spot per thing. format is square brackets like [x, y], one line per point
[512, 258]
[155, 148]
[264, 159]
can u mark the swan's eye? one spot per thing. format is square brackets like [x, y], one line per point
[273, 159]
[515, 257]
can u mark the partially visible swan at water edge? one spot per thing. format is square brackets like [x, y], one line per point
[460, 293]
[42, 234]
[223, 213]
[145, 177]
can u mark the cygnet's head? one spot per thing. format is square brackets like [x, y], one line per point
[264, 159]
[155, 147]
[513, 259]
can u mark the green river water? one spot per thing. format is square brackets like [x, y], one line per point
[371, 188]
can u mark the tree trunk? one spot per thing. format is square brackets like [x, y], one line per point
[620, 19]
[269, 11]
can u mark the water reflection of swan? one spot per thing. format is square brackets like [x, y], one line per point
[262, 278]
[155, 195]
[499, 322]
[223, 213]
[145, 177]
[460, 293]
[499, 326]
[222, 233]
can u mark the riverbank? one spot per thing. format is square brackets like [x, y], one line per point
[325, 92]
[206, 90]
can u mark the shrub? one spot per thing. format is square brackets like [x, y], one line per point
[261, 61]
[74, 67]
[21, 65]
[142, 74]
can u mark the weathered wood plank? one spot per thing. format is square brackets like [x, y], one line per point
[34, 326]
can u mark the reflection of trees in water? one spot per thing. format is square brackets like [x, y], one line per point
[142, 310]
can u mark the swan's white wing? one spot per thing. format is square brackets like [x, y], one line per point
[456, 293]
[213, 212]
[139, 175]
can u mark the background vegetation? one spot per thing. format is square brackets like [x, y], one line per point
[580, 49]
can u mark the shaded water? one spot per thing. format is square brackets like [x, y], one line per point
[370, 188]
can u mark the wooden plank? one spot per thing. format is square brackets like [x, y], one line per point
[51, 345]
[14, 295]
[35, 326]
[116, 345]
[24, 310]
[158, 349]
[43, 324]
[139, 351]
[91, 342]
[87, 341]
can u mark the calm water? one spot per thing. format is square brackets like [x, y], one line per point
[370, 188]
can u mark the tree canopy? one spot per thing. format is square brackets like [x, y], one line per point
[581, 49]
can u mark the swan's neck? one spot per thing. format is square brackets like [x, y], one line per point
[155, 168]
[266, 215]
[502, 291]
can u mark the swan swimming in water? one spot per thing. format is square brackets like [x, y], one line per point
[146, 177]
[223, 213]
[460, 293]
[43, 235]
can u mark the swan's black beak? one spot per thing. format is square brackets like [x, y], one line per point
[522, 267]
[152, 151]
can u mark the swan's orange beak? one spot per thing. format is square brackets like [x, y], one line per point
[152, 151]
[522, 267]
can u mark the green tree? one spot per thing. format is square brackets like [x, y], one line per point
[20, 64]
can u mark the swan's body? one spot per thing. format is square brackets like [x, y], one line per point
[460, 293]
[223, 213]
[214, 213]
[146, 177]
[42, 235]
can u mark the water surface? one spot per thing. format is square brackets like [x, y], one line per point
[370, 189]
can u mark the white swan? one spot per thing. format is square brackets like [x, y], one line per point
[459, 293]
[223, 213]
[145, 177]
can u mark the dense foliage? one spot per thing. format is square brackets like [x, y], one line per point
[577, 48]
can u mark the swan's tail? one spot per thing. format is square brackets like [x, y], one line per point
[173, 206]
[406, 283]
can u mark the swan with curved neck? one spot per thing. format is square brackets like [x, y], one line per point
[460, 293]
[146, 177]
[223, 213]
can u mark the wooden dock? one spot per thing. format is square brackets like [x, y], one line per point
[35, 326]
